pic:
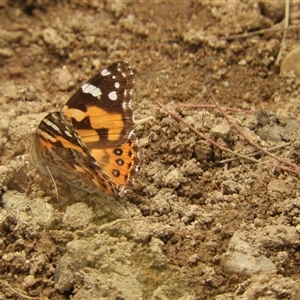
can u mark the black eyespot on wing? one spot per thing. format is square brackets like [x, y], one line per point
[118, 151]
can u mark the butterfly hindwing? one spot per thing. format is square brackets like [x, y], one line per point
[120, 162]
[61, 152]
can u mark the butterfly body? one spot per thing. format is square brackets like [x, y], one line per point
[91, 143]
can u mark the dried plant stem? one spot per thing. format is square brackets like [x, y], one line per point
[178, 118]
[259, 32]
[20, 294]
[286, 25]
[224, 161]
[257, 146]
[227, 108]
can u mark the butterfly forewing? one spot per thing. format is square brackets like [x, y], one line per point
[100, 110]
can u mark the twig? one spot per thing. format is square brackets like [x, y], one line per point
[286, 25]
[248, 112]
[258, 32]
[20, 294]
[177, 117]
[253, 153]
[238, 129]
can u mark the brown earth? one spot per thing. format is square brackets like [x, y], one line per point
[191, 227]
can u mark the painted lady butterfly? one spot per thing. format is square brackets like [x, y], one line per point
[91, 143]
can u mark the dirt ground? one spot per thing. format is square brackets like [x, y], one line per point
[193, 227]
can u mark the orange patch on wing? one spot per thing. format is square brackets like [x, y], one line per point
[88, 135]
[102, 156]
[99, 118]
[107, 159]
[77, 114]
[44, 144]
[92, 136]
[68, 145]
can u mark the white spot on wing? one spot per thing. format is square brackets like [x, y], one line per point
[52, 125]
[67, 133]
[112, 96]
[91, 89]
[105, 72]
[117, 85]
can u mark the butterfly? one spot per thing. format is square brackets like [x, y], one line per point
[91, 143]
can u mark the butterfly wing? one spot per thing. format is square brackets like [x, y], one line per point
[91, 142]
[60, 151]
[100, 110]
[120, 163]
[101, 113]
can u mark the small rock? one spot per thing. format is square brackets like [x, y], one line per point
[174, 178]
[246, 264]
[222, 130]
[77, 215]
[273, 10]
[52, 38]
[75, 259]
[193, 258]
[291, 62]
[43, 212]
[240, 258]
[62, 78]
[277, 188]
[29, 281]
[6, 52]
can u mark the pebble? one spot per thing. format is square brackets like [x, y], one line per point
[29, 280]
[291, 62]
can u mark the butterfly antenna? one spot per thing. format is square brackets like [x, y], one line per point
[55, 186]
